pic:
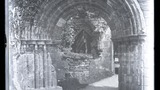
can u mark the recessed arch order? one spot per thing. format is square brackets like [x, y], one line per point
[122, 16]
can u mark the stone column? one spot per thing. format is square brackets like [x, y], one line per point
[49, 70]
[43, 56]
[40, 57]
[37, 67]
[45, 67]
[131, 54]
[112, 59]
[54, 77]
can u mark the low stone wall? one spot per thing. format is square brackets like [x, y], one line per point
[88, 70]
[81, 66]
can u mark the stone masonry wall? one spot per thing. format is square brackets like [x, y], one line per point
[130, 54]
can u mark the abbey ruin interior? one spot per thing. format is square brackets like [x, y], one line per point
[85, 38]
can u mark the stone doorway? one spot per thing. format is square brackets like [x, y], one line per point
[44, 27]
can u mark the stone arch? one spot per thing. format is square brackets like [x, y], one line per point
[130, 39]
[118, 15]
[54, 11]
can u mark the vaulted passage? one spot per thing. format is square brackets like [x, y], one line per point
[81, 39]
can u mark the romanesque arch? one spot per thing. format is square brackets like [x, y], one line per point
[126, 19]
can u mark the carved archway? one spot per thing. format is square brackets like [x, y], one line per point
[125, 19]
[127, 28]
